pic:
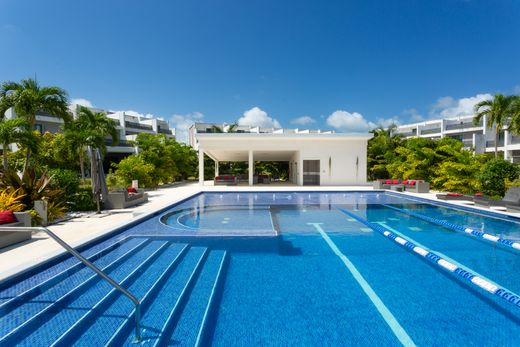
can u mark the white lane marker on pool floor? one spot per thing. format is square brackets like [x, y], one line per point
[389, 318]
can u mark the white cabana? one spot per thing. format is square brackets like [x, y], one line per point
[314, 159]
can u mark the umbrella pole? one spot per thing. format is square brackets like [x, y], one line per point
[97, 203]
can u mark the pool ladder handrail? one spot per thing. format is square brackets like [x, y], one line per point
[93, 267]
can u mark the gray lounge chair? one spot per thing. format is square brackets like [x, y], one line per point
[8, 238]
[511, 200]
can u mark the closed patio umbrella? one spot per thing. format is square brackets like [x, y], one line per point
[99, 184]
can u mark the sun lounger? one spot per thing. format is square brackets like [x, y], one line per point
[454, 197]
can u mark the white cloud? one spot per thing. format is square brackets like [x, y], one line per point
[516, 90]
[80, 102]
[305, 120]
[354, 122]
[413, 115]
[448, 107]
[256, 117]
[182, 124]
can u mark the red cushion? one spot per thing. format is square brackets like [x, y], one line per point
[479, 194]
[226, 177]
[131, 190]
[405, 182]
[396, 182]
[388, 181]
[412, 183]
[217, 178]
[7, 217]
[454, 194]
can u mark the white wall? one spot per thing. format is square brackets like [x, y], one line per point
[343, 156]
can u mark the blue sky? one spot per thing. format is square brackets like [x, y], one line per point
[322, 64]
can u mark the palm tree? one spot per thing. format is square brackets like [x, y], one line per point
[231, 128]
[12, 131]
[90, 129]
[515, 115]
[27, 98]
[497, 110]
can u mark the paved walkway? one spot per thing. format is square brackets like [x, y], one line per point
[80, 230]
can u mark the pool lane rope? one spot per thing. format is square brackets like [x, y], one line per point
[387, 315]
[464, 274]
[506, 242]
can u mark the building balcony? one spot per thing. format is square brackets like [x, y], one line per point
[431, 131]
[492, 143]
[140, 126]
[121, 143]
[466, 125]
[164, 131]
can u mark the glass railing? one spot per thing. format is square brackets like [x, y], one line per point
[164, 131]
[121, 143]
[430, 131]
[465, 125]
[137, 125]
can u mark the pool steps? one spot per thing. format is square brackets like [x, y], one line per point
[174, 252]
[442, 263]
[121, 273]
[178, 285]
[193, 314]
[212, 305]
[469, 231]
[24, 294]
[29, 307]
[175, 289]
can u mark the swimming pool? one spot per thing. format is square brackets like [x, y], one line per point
[283, 268]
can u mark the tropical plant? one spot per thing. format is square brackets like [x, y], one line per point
[514, 112]
[494, 174]
[12, 131]
[497, 111]
[381, 152]
[90, 129]
[32, 186]
[230, 128]
[134, 167]
[27, 98]
[11, 199]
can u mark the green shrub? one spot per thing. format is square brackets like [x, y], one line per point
[134, 167]
[66, 180]
[494, 174]
[82, 200]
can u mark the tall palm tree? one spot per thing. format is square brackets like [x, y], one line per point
[515, 115]
[497, 110]
[12, 131]
[27, 98]
[90, 129]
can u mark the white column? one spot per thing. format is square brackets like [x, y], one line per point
[216, 168]
[201, 167]
[251, 167]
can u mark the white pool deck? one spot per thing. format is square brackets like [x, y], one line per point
[79, 230]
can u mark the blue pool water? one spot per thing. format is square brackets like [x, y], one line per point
[278, 269]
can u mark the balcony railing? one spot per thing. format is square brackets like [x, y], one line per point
[430, 131]
[410, 133]
[465, 125]
[492, 143]
[137, 125]
[164, 131]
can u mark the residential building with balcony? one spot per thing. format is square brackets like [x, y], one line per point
[478, 137]
[128, 126]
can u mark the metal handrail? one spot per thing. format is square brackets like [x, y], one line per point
[93, 268]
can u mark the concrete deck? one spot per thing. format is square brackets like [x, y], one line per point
[77, 231]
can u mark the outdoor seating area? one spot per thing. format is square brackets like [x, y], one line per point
[125, 198]
[14, 219]
[226, 180]
[414, 186]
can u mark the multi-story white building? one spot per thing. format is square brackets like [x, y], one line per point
[203, 128]
[478, 137]
[128, 126]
